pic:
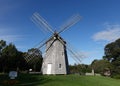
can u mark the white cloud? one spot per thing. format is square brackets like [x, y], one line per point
[111, 33]
[10, 35]
[6, 7]
[11, 38]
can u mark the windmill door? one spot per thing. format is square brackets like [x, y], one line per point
[49, 66]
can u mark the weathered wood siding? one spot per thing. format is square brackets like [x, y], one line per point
[56, 55]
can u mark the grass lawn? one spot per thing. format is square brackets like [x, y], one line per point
[58, 80]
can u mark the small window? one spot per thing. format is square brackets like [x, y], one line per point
[59, 65]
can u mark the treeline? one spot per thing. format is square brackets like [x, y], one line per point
[79, 69]
[99, 67]
[109, 65]
[12, 59]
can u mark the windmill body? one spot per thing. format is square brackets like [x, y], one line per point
[55, 60]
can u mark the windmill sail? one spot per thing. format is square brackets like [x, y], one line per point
[38, 20]
[55, 60]
[73, 20]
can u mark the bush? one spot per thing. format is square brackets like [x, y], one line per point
[116, 76]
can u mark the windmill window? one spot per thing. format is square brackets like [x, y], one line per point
[59, 65]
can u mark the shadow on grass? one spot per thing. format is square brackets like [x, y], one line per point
[24, 80]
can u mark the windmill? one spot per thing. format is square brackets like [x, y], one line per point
[55, 60]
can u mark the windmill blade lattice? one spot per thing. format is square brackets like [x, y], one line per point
[30, 57]
[74, 55]
[73, 20]
[38, 20]
[80, 54]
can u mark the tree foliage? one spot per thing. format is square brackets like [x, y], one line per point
[35, 56]
[11, 59]
[2, 44]
[112, 54]
[112, 51]
[80, 68]
[100, 65]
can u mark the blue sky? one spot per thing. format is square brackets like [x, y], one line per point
[100, 23]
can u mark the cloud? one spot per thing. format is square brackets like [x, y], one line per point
[111, 33]
[7, 7]
[11, 38]
[10, 35]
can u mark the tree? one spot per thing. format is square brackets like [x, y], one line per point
[12, 59]
[35, 61]
[100, 65]
[2, 45]
[112, 54]
[80, 68]
[73, 69]
[21, 62]
[112, 50]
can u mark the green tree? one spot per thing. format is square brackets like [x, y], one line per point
[73, 69]
[35, 59]
[112, 54]
[12, 59]
[112, 51]
[80, 68]
[100, 65]
[2, 45]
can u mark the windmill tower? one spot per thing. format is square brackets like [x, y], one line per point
[55, 60]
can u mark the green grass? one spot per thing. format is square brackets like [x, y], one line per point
[74, 80]
[61, 80]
